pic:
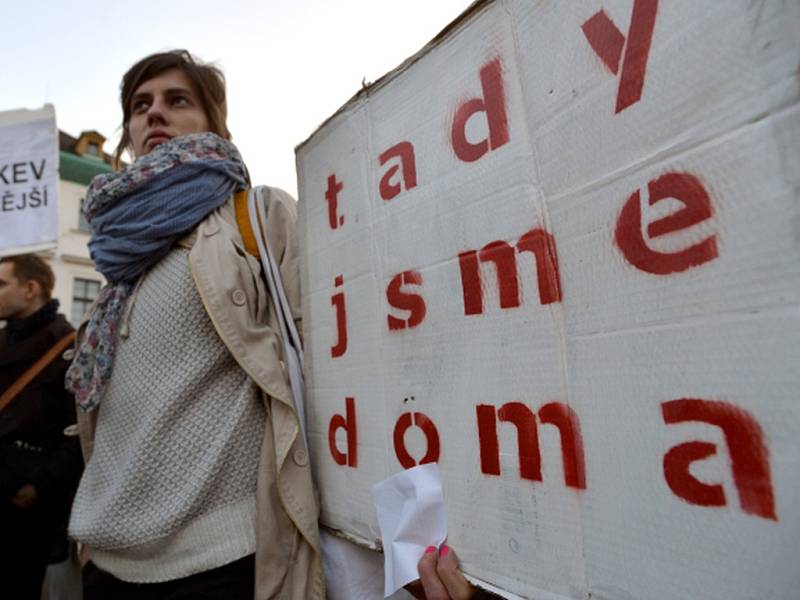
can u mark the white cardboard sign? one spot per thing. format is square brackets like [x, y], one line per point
[558, 251]
[28, 180]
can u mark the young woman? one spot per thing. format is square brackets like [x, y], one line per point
[197, 483]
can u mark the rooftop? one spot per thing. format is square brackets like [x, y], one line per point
[79, 163]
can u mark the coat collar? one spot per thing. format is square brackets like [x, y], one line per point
[35, 344]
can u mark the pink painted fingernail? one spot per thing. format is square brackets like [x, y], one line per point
[443, 551]
[430, 549]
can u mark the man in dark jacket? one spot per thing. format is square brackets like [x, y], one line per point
[39, 464]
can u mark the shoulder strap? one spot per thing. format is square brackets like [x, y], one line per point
[256, 208]
[35, 369]
[243, 221]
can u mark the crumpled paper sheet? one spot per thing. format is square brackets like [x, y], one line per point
[411, 516]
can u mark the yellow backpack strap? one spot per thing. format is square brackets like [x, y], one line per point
[243, 221]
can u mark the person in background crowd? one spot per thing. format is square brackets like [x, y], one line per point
[40, 463]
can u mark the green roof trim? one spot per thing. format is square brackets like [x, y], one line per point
[80, 169]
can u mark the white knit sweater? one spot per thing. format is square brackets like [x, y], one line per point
[170, 487]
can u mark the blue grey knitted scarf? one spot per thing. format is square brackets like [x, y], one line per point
[136, 215]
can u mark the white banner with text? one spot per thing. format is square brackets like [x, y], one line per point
[28, 180]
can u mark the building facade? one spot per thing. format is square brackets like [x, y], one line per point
[77, 282]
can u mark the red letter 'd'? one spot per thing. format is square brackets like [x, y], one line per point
[414, 303]
[334, 187]
[697, 208]
[431, 435]
[337, 301]
[748, 453]
[347, 423]
[405, 152]
[493, 104]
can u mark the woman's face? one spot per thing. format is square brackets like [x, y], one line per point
[162, 108]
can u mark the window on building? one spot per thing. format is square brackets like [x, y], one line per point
[83, 224]
[84, 292]
[93, 149]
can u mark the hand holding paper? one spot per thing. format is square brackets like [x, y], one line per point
[411, 515]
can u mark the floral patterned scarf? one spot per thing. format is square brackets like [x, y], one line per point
[136, 215]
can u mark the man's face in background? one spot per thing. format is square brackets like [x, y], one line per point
[17, 298]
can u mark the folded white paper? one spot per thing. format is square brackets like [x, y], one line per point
[411, 515]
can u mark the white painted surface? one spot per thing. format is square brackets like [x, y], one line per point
[719, 107]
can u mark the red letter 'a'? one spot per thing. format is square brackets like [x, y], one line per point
[688, 190]
[748, 453]
[493, 104]
[414, 303]
[422, 421]
[524, 420]
[347, 423]
[337, 301]
[505, 262]
[405, 152]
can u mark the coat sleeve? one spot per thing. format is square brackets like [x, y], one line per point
[57, 478]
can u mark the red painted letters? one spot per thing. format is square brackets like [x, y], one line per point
[405, 152]
[523, 418]
[337, 301]
[543, 246]
[744, 439]
[538, 242]
[331, 195]
[431, 435]
[748, 453]
[505, 262]
[607, 41]
[402, 300]
[697, 208]
[680, 481]
[569, 428]
[348, 423]
[493, 104]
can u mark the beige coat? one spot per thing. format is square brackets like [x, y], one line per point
[288, 561]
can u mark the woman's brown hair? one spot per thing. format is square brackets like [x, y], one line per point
[207, 79]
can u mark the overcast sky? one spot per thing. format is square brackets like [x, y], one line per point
[289, 63]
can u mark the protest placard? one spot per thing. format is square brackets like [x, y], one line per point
[28, 180]
[558, 251]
